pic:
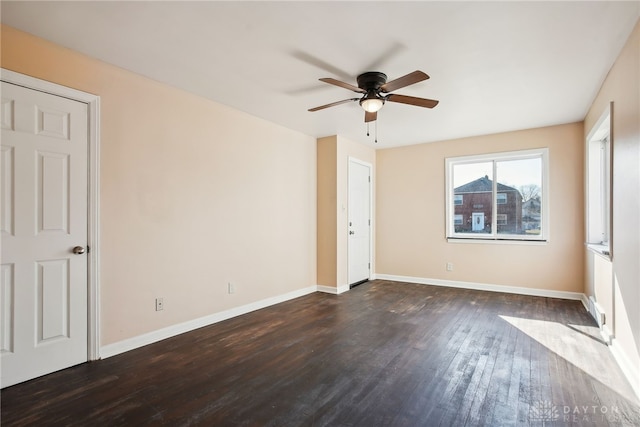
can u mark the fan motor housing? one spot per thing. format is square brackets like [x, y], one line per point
[371, 81]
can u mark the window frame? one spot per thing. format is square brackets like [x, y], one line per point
[494, 237]
[599, 184]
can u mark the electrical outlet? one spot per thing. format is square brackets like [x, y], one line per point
[449, 266]
[159, 304]
[231, 288]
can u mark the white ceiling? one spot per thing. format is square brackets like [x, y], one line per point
[494, 66]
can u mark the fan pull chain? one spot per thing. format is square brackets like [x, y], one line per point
[375, 130]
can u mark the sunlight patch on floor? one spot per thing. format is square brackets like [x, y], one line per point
[580, 345]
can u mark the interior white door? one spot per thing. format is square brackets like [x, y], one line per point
[43, 280]
[359, 205]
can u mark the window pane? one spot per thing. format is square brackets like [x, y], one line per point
[521, 183]
[472, 182]
[497, 196]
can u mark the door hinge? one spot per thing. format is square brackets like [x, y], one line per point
[369, 266]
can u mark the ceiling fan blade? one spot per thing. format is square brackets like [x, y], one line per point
[385, 57]
[333, 104]
[412, 100]
[370, 117]
[317, 62]
[400, 82]
[342, 84]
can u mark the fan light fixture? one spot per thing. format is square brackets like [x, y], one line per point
[371, 103]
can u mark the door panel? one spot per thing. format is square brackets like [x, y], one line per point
[52, 182]
[8, 171]
[44, 216]
[53, 294]
[6, 299]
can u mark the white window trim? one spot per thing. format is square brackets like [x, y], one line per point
[598, 218]
[544, 235]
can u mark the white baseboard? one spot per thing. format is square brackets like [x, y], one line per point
[596, 311]
[331, 290]
[628, 369]
[170, 331]
[486, 287]
[585, 301]
[607, 334]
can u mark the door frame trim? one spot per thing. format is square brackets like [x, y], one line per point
[93, 183]
[371, 212]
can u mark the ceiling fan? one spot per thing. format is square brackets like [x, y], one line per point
[374, 86]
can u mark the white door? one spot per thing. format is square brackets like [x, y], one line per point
[359, 205]
[43, 283]
[477, 219]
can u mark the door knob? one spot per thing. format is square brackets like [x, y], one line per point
[352, 232]
[79, 250]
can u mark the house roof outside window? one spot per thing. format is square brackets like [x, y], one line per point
[481, 185]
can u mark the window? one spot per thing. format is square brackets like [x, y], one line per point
[599, 184]
[501, 196]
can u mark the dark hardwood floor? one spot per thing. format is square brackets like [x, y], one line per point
[382, 354]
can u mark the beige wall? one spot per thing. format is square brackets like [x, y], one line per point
[193, 195]
[620, 294]
[327, 208]
[333, 166]
[410, 213]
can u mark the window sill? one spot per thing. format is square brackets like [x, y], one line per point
[491, 241]
[602, 250]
